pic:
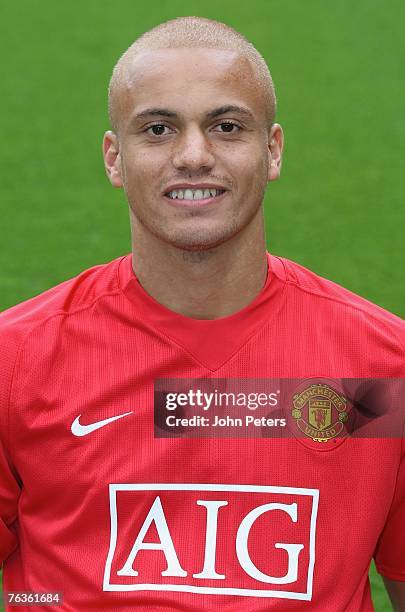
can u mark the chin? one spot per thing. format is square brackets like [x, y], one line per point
[200, 244]
[202, 240]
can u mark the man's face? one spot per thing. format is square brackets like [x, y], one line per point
[192, 151]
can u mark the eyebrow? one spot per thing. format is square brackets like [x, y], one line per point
[216, 112]
[230, 108]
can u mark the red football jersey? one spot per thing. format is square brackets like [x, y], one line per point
[93, 505]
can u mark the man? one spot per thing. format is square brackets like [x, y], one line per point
[92, 503]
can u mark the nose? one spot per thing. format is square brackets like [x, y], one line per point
[193, 151]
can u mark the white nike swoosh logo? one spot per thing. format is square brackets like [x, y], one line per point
[82, 430]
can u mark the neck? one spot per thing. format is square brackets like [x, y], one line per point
[206, 284]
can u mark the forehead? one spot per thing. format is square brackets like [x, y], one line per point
[189, 79]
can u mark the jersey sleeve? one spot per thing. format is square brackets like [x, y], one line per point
[389, 555]
[9, 482]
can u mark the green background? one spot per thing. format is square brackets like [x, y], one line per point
[338, 70]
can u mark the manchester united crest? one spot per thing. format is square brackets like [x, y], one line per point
[320, 412]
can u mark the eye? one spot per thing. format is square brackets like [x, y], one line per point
[228, 127]
[158, 129]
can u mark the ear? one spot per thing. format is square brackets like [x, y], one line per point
[276, 145]
[112, 159]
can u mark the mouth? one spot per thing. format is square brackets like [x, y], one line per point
[194, 197]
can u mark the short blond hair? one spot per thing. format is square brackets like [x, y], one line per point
[193, 32]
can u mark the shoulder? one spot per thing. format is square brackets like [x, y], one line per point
[339, 311]
[319, 289]
[68, 297]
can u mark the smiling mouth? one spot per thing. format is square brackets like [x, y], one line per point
[194, 195]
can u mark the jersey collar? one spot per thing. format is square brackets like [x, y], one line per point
[210, 342]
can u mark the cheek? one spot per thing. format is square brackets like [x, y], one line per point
[140, 172]
[253, 169]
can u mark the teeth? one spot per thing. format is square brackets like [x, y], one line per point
[193, 194]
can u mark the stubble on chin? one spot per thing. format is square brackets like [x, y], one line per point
[202, 242]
